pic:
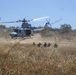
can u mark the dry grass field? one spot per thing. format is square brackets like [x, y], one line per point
[21, 58]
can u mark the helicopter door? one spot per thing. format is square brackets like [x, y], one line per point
[23, 33]
[28, 32]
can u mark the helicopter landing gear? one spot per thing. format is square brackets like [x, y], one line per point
[13, 37]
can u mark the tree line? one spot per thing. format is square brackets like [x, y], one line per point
[64, 28]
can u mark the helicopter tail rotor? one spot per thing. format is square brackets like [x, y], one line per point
[48, 22]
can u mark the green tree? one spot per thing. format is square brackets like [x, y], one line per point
[66, 28]
[2, 26]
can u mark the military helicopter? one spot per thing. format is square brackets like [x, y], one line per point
[26, 30]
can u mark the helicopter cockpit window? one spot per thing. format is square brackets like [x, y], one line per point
[15, 30]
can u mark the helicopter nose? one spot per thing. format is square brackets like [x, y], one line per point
[13, 33]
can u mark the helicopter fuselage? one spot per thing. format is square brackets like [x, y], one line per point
[21, 32]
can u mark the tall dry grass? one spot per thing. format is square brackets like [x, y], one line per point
[26, 59]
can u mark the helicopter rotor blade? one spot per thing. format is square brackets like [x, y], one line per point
[56, 21]
[24, 20]
[9, 22]
[12, 21]
[19, 21]
[37, 19]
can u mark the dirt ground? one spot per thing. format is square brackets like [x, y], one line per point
[38, 38]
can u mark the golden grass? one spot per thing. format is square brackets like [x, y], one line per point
[26, 59]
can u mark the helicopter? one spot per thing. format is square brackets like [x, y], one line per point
[26, 30]
[48, 24]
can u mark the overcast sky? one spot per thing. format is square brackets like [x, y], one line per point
[13, 10]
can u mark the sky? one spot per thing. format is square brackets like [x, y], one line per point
[13, 10]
